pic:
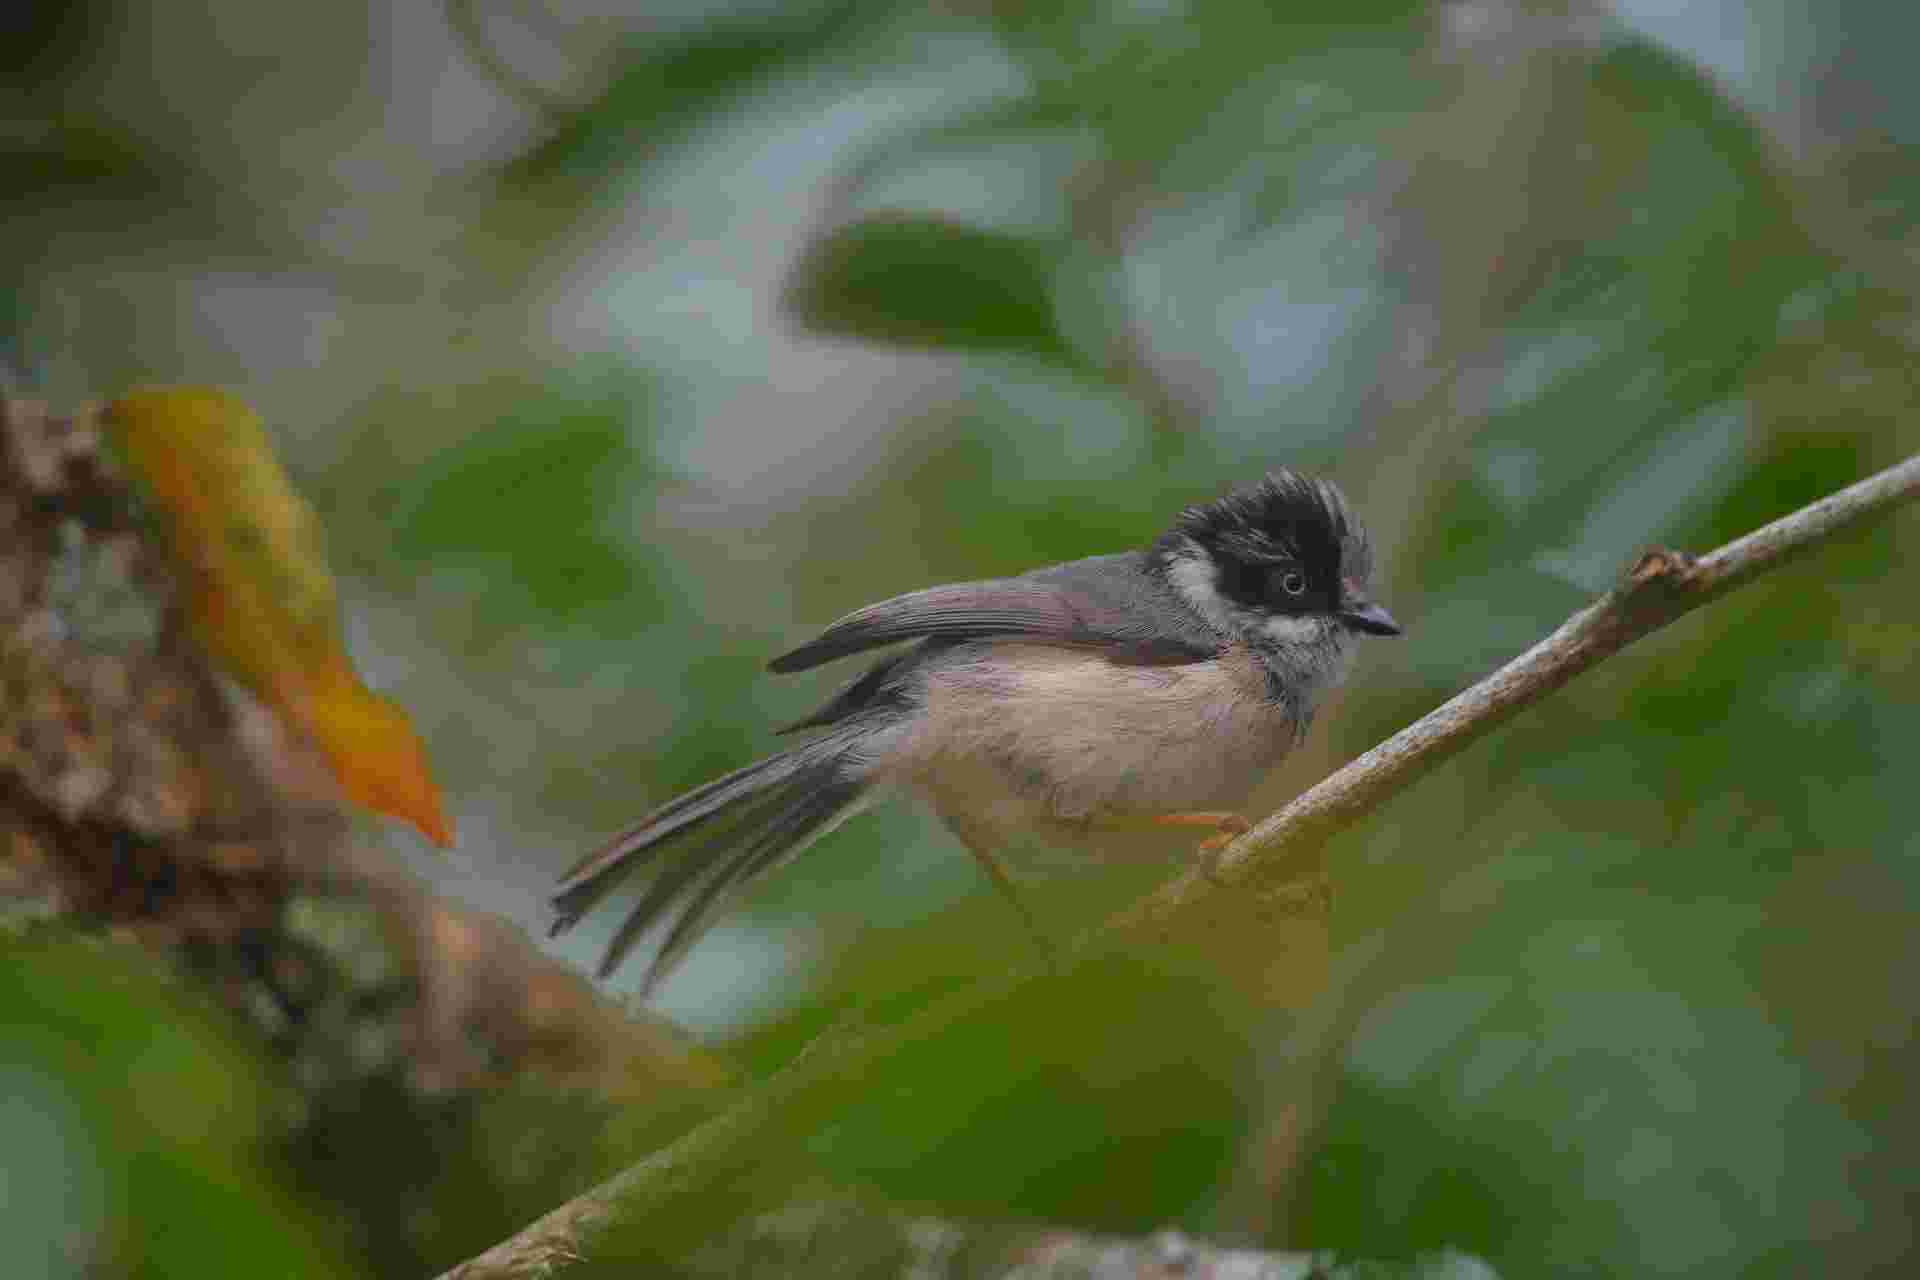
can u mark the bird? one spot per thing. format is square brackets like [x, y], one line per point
[1148, 688]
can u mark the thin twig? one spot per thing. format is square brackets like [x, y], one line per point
[1661, 586]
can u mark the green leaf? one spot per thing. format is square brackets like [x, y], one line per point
[927, 282]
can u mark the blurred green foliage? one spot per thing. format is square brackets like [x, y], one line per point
[919, 282]
[138, 1127]
[772, 310]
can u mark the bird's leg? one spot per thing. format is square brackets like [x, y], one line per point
[979, 843]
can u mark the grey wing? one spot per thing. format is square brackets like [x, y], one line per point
[1111, 603]
[882, 684]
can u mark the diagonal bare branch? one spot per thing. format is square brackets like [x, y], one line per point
[1661, 587]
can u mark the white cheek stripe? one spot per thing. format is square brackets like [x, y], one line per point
[1192, 573]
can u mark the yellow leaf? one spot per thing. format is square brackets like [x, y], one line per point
[258, 592]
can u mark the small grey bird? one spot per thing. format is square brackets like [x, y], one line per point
[1152, 687]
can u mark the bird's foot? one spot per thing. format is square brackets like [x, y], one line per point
[1231, 827]
[1226, 826]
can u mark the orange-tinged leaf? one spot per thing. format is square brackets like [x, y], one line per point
[374, 752]
[259, 595]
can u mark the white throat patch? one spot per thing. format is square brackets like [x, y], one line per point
[1286, 629]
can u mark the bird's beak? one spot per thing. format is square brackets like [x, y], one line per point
[1365, 615]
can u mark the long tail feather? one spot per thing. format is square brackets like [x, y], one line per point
[711, 841]
[786, 833]
[676, 815]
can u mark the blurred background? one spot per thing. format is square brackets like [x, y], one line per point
[620, 346]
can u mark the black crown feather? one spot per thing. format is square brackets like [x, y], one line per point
[1286, 516]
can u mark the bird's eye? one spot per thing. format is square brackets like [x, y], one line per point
[1293, 582]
